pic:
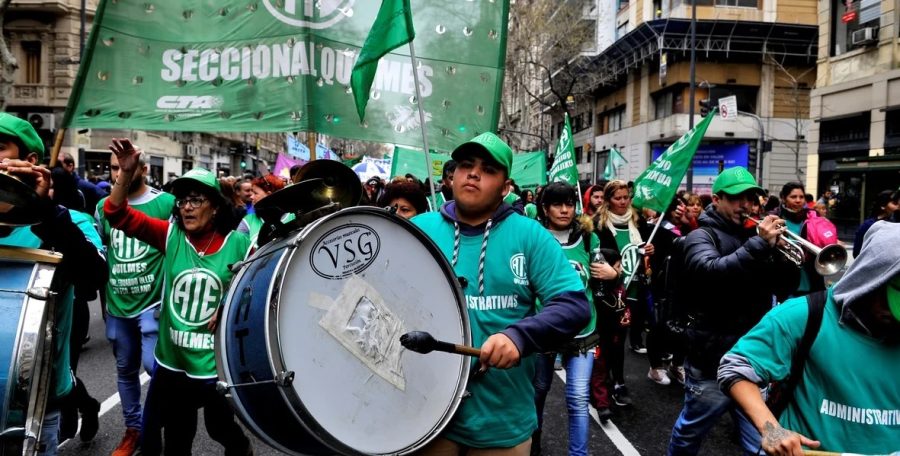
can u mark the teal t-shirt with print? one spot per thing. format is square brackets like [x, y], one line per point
[523, 263]
[849, 398]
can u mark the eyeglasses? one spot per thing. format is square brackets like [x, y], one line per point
[194, 203]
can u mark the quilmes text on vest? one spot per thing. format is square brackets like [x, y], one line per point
[883, 417]
[492, 302]
[187, 339]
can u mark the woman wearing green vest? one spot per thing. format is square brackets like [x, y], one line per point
[198, 246]
[260, 188]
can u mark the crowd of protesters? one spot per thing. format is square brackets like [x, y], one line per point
[601, 277]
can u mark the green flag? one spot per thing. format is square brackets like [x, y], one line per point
[409, 161]
[392, 28]
[529, 169]
[285, 66]
[564, 167]
[613, 162]
[657, 185]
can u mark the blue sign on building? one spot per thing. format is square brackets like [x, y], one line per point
[708, 159]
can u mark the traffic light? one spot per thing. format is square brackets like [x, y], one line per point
[244, 164]
[705, 104]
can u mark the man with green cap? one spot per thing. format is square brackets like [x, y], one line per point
[848, 398]
[733, 271]
[21, 149]
[505, 262]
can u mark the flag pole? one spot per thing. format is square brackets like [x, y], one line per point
[419, 103]
[649, 241]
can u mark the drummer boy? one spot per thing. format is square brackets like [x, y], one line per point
[506, 262]
[20, 150]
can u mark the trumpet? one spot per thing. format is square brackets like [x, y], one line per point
[829, 260]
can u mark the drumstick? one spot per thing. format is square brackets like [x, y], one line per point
[423, 342]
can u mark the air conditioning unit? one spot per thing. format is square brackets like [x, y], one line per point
[864, 36]
[42, 120]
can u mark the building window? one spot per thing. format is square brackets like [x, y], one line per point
[32, 62]
[850, 16]
[663, 105]
[622, 4]
[613, 120]
[740, 3]
[578, 153]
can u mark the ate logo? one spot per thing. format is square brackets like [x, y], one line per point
[314, 14]
[579, 268]
[126, 249]
[630, 259]
[517, 265]
[195, 296]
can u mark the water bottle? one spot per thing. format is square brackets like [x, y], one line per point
[597, 286]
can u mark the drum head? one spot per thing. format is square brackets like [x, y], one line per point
[358, 280]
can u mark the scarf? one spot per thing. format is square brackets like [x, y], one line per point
[624, 220]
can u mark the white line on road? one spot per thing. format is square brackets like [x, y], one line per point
[610, 429]
[106, 406]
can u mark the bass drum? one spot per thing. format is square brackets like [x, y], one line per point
[308, 346]
[25, 345]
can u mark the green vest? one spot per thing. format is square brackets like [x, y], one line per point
[254, 224]
[523, 264]
[193, 288]
[135, 268]
[580, 260]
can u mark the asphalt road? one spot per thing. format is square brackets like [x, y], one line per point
[643, 429]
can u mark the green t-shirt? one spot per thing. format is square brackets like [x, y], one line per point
[135, 268]
[849, 398]
[511, 198]
[193, 289]
[523, 263]
[580, 259]
[804, 286]
[531, 211]
[631, 261]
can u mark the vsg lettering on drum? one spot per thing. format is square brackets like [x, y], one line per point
[345, 251]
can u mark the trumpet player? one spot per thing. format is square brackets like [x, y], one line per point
[737, 270]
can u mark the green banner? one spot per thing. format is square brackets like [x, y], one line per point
[285, 65]
[529, 169]
[564, 167]
[409, 161]
[657, 185]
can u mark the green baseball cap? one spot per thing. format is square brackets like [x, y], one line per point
[893, 297]
[735, 181]
[200, 175]
[22, 130]
[488, 143]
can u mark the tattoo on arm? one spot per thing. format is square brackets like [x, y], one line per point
[772, 435]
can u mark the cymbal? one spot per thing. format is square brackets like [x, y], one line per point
[18, 202]
[309, 195]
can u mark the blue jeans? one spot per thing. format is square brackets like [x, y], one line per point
[50, 433]
[578, 376]
[704, 403]
[133, 341]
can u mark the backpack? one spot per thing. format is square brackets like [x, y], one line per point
[819, 230]
[672, 306]
[781, 393]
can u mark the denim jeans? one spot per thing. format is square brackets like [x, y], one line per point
[49, 433]
[704, 403]
[133, 341]
[578, 376]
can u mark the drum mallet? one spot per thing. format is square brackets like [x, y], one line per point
[423, 342]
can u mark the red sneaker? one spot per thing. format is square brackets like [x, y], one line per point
[129, 443]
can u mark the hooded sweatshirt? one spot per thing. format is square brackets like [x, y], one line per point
[506, 264]
[849, 396]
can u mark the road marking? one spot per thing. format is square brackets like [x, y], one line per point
[615, 435]
[106, 406]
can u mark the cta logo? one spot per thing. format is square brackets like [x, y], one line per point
[126, 249]
[315, 14]
[195, 296]
[188, 102]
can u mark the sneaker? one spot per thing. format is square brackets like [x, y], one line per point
[90, 421]
[604, 414]
[620, 396]
[639, 349]
[658, 375]
[129, 443]
[677, 372]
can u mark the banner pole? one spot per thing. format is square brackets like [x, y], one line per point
[57, 145]
[311, 141]
[419, 103]
[649, 240]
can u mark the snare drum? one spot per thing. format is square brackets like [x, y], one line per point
[308, 343]
[25, 345]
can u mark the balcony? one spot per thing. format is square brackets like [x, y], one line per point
[30, 95]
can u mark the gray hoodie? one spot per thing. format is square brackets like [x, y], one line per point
[877, 264]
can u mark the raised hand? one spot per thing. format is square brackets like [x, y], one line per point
[127, 154]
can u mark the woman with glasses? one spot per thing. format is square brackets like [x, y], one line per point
[260, 188]
[198, 246]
